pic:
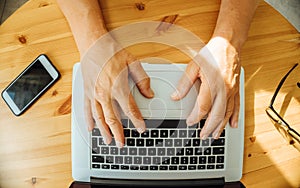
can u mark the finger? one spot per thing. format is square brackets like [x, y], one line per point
[141, 78]
[88, 113]
[186, 81]
[100, 122]
[236, 111]
[131, 110]
[112, 121]
[202, 106]
[229, 111]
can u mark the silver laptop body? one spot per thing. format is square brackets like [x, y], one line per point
[151, 156]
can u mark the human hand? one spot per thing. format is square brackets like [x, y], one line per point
[106, 88]
[217, 66]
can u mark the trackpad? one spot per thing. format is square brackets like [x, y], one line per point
[164, 83]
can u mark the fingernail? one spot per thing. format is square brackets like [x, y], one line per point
[203, 137]
[215, 135]
[106, 140]
[174, 95]
[235, 125]
[140, 130]
[151, 93]
[119, 144]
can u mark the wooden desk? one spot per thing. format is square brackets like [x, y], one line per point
[37, 144]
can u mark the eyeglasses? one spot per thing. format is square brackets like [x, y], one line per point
[291, 135]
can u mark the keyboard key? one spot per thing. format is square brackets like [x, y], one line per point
[220, 159]
[173, 133]
[97, 159]
[130, 142]
[115, 167]
[205, 142]
[189, 151]
[179, 151]
[218, 142]
[178, 143]
[96, 150]
[101, 142]
[154, 133]
[94, 142]
[196, 142]
[123, 151]
[137, 160]
[175, 160]
[163, 167]
[144, 167]
[193, 160]
[219, 166]
[172, 167]
[192, 167]
[161, 151]
[182, 133]
[95, 165]
[149, 142]
[192, 133]
[134, 167]
[128, 160]
[198, 151]
[145, 134]
[132, 151]
[140, 142]
[142, 151]
[113, 142]
[119, 160]
[168, 143]
[146, 160]
[164, 134]
[165, 160]
[109, 159]
[124, 122]
[96, 132]
[105, 166]
[135, 134]
[151, 151]
[124, 167]
[223, 133]
[159, 142]
[211, 159]
[210, 166]
[170, 151]
[126, 133]
[184, 160]
[153, 167]
[104, 150]
[218, 150]
[182, 167]
[114, 151]
[201, 167]
[156, 160]
[187, 142]
[207, 151]
[202, 160]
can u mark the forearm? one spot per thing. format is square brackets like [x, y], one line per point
[85, 19]
[234, 20]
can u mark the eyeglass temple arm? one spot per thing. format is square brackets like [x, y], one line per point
[281, 83]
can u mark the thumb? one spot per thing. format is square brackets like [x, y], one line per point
[186, 81]
[140, 78]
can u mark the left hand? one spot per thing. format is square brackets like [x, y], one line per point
[218, 68]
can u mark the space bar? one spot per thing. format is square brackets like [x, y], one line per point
[165, 123]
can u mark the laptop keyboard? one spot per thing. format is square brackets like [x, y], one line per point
[167, 145]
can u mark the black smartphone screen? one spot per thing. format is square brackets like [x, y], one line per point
[28, 85]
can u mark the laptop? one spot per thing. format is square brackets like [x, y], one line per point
[168, 153]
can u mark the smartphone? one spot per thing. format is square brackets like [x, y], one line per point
[26, 88]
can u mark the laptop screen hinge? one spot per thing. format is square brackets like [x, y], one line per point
[105, 182]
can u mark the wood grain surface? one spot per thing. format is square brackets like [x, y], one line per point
[35, 148]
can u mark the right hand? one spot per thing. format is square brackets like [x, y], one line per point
[106, 88]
